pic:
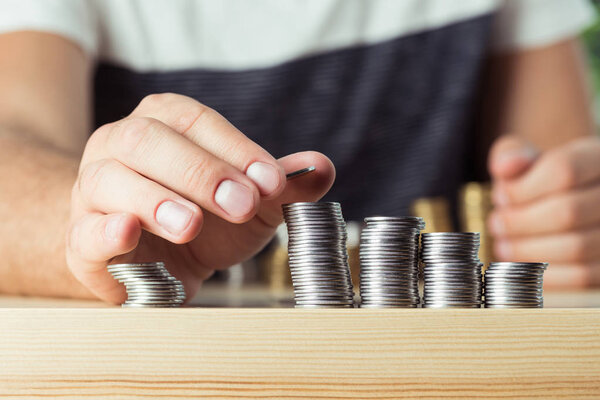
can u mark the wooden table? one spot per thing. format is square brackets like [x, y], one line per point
[107, 352]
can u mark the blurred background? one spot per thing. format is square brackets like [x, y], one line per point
[406, 106]
[269, 271]
[591, 40]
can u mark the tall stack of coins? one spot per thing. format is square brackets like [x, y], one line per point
[514, 285]
[452, 270]
[389, 262]
[317, 254]
[148, 285]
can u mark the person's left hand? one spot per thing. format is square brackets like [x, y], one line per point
[547, 208]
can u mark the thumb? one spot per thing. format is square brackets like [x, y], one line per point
[310, 187]
[510, 156]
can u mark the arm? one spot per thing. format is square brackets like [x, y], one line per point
[44, 123]
[541, 95]
[161, 184]
[546, 173]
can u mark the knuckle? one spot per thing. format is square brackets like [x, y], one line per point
[193, 114]
[131, 134]
[99, 136]
[155, 100]
[91, 177]
[198, 174]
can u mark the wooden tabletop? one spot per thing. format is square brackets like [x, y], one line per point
[52, 348]
[221, 295]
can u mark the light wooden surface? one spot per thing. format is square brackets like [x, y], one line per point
[220, 295]
[293, 353]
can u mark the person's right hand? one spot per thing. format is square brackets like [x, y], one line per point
[176, 182]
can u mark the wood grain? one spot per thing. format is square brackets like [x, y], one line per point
[294, 353]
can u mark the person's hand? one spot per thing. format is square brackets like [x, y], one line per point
[547, 208]
[176, 182]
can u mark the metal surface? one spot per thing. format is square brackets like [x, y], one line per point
[300, 172]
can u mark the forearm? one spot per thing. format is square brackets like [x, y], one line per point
[541, 95]
[35, 187]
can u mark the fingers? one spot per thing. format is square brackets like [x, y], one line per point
[510, 156]
[310, 187]
[155, 151]
[209, 130]
[92, 241]
[572, 247]
[107, 186]
[549, 211]
[252, 236]
[562, 212]
[572, 165]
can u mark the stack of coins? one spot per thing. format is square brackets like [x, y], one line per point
[148, 285]
[514, 285]
[389, 262]
[452, 270]
[317, 255]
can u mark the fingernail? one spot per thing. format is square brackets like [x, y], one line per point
[235, 198]
[173, 216]
[264, 175]
[499, 196]
[503, 250]
[496, 225]
[527, 153]
[113, 226]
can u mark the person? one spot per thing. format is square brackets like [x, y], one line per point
[199, 108]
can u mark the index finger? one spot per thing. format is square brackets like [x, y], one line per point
[210, 130]
[558, 170]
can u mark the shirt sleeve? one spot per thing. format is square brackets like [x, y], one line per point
[523, 24]
[72, 19]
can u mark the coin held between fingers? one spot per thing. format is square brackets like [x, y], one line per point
[300, 172]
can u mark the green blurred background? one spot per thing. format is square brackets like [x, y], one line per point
[591, 39]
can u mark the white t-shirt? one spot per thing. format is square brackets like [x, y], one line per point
[162, 35]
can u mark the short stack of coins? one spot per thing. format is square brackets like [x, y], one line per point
[514, 285]
[389, 262]
[317, 255]
[148, 285]
[451, 270]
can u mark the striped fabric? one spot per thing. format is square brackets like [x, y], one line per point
[393, 116]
